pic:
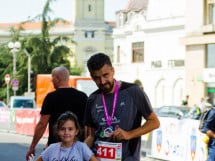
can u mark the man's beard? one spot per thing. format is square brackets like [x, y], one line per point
[107, 90]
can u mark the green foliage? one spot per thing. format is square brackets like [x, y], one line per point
[139, 83]
[6, 67]
[76, 71]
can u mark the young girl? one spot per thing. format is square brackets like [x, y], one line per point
[69, 149]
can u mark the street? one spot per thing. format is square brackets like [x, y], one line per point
[14, 147]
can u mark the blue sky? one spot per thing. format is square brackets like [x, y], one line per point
[20, 10]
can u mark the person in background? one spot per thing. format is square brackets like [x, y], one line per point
[64, 98]
[202, 104]
[114, 114]
[69, 148]
[195, 112]
[186, 101]
[209, 130]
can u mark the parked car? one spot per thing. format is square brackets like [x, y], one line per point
[172, 111]
[2, 104]
[20, 102]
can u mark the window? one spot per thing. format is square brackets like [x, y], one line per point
[85, 34]
[89, 8]
[89, 34]
[138, 52]
[210, 11]
[121, 19]
[175, 63]
[210, 60]
[92, 34]
[156, 64]
[211, 95]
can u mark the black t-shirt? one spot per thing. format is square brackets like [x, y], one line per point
[60, 101]
[132, 105]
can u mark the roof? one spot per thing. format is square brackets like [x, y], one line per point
[31, 25]
[38, 25]
[110, 23]
[135, 5]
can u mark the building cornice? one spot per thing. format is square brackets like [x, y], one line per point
[198, 39]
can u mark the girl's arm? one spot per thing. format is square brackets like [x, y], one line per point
[93, 158]
[89, 136]
[39, 159]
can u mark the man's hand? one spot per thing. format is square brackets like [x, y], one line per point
[38, 133]
[120, 134]
[31, 157]
[30, 154]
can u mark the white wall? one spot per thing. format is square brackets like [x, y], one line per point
[160, 28]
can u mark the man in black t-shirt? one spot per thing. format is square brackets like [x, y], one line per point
[64, 98]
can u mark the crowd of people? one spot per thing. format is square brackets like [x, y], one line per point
[110, 118]
[206, 110]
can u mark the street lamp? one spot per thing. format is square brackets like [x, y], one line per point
[29, 70]
[14, 48]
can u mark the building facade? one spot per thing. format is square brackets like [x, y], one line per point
[91, 32]
[200, 49]
[147, 47]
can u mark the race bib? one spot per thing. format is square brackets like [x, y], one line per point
[107, 151]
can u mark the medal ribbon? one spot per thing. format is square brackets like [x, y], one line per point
[107, 117]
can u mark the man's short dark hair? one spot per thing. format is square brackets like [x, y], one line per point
[97, 61]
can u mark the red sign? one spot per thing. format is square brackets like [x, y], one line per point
[26, 120]
[7, 78]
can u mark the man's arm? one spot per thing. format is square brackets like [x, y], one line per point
[211, 134]
[38, 133]
[89, 136]
[152, 122]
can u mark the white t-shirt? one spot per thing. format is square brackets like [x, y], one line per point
[78, 152]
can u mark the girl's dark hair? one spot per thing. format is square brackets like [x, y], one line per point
[68, 115]
[97, 61]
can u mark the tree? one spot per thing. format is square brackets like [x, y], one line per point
[46, 53]
[139, 83]
[5, 68]
[6, 65]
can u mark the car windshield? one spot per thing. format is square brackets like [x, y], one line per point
[23, 103]
[185, 110]
[172, 111]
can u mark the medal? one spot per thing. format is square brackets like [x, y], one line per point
[108, 131]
